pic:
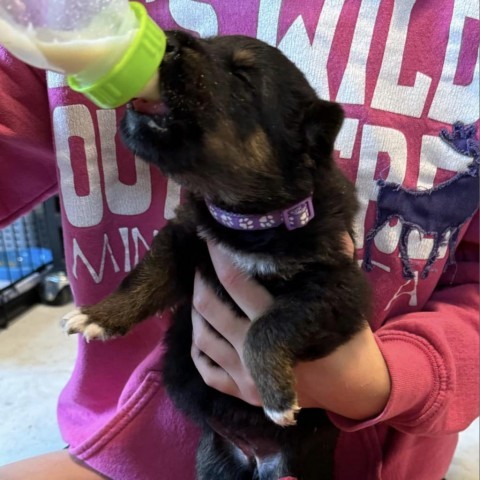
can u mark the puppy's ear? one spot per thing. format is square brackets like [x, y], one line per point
[321, 124]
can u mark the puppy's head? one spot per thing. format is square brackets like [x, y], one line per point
[238, 123]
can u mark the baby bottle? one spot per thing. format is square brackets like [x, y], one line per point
[110, 50]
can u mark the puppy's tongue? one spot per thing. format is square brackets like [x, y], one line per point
[149, 107]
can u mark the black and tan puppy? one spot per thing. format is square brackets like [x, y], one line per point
[242, 130]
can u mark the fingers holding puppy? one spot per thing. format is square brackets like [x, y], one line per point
[218, 357]
[219, 334]
[252, 298]
[219, 316]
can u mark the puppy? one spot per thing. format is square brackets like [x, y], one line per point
[243, 132]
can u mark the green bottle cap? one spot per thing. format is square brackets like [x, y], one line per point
[137, 66]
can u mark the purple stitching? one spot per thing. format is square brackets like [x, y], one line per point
[462, 139]
[395, 201]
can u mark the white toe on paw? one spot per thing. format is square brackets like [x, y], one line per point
[74, 322]
[283, 418]
[77, 322]
[94, 332]
[70, 315]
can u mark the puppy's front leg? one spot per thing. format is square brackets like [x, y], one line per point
[160, 280]
[307, 323]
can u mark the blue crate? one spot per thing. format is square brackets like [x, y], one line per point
[17, 264]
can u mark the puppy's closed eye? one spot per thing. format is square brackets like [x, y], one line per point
[244, 76]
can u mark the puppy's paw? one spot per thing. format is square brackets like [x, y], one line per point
[78, 322]
[284, 418]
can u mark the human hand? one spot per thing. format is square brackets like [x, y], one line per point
[354, 379]
[219, 334]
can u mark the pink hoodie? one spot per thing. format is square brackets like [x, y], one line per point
[404, 71]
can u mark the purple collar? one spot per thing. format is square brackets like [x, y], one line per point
[296, 216]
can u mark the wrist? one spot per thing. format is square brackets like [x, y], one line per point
[353, 381]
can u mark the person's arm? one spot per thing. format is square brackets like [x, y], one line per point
[27, 162]
[419, 372]
[433, 355]
[58, 465]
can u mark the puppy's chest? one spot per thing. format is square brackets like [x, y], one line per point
[277, 276]
[257, 265]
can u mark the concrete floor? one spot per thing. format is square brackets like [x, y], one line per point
[36, 359]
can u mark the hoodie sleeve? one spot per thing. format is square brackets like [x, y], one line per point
[433, 355]
[27, 162]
